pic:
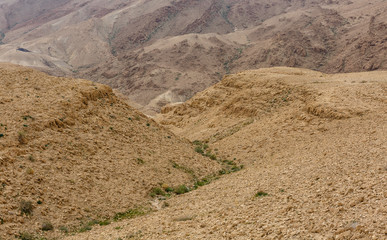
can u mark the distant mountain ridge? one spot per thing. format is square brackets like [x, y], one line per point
[159, 52]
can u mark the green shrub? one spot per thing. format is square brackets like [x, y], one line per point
[140, 161]
[104, 222]
[131, 213]
[27, 117]
[197, 142]
[157, 192]
[199, 149]
[64, 229]
[204, 181]
[235, 169]
[169, 189]
[85, 228]
[261, 194]
[181, 189]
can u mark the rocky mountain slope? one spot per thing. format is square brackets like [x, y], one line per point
[314, 149]
[72, 153]
[157, 52]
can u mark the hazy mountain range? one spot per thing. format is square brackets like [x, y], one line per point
[158, 52]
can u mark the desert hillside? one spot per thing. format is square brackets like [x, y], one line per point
[314, 147]
[73, 153]
[160, 52]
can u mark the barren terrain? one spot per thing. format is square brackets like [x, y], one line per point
[73, 154]
[269, 119]
[314, 150]
[159, 52]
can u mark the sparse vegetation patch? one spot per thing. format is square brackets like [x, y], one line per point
[205, 150]
[89, 225]
[26, 117]
[140, 161]
[184, 169]
[181, 189]
[131, 213]
[261, 194]
[157, 192]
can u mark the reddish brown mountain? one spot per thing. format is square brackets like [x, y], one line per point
[157, 52]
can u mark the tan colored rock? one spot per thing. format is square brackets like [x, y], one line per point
[104, 161]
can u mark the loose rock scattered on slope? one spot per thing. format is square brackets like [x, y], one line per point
[314, 147]
[71, 151]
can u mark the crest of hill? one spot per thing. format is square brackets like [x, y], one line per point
[76, 151]
[273, 95]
